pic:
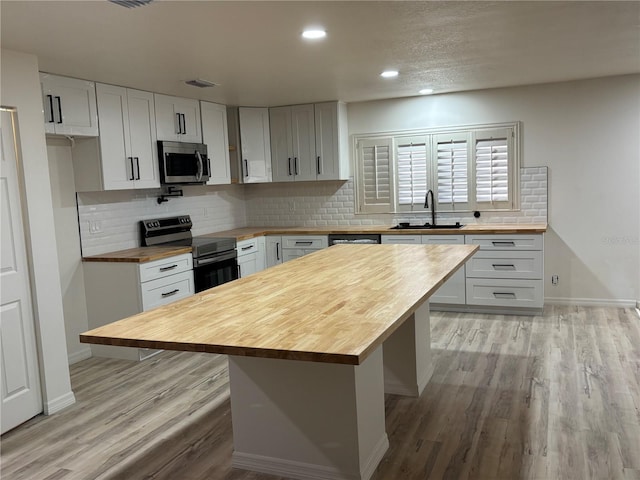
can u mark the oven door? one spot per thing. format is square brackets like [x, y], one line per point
[214, 270]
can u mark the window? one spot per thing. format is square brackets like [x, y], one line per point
[468, 168]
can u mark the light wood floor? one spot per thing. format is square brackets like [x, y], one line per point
[549, 397]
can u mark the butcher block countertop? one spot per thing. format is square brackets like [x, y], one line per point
[252, 232]
[138, 255]
[336, 305]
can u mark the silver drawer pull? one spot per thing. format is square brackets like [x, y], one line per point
[504, 244]
[172, 292]
[304, 243]
[503, 266]
[504, 295]
[170, 267]
[247, 248]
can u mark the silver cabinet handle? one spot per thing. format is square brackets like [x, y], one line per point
[170, 267]
[504, 244]
[172, 292]
[505, 295]
[503, 266]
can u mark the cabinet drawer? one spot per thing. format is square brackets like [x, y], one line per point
[246, 247]
[443, 239]
[314, 242]
[166, 266]
[504, 264]
[505, 293]
[452, 291]
[401, 239]
[505, 242]
[166, 290]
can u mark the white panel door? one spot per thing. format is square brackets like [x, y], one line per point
[21, 398]
[256, 144]
[215, 134]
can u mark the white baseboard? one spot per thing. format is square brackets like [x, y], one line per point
[591, 302]
[80, 355]
[308, 471]
[59, 403]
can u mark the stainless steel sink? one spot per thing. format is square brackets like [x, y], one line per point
[426, 226]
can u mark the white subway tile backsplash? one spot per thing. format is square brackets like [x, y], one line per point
[296, 204]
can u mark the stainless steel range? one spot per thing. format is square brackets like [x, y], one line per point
[214, 258]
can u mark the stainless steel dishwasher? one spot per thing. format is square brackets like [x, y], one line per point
[358, 238]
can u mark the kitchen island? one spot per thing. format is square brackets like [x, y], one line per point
[313, 345]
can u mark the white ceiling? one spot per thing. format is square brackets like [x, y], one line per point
[255, 52]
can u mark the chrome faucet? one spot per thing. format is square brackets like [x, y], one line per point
[433, 205]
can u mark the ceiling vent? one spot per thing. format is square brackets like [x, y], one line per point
[198, 82]
[131, 3]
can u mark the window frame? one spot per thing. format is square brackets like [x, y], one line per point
[473, 132]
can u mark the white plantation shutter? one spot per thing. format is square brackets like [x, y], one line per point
[492, 168]
[375, 169]
[412, 170]
[451, 153]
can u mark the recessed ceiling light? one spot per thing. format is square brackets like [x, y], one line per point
[426, 91]
[389, 73]
[314, 33]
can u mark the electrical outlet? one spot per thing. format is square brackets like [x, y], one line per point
[554, 279]
[95, 226]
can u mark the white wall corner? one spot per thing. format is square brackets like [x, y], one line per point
[57, 404]
[78, 356]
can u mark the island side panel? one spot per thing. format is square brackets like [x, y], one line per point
[307, 419]
[407, 355]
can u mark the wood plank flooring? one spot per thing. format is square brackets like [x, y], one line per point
[547, 397]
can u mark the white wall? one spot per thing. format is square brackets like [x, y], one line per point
[65, 214]
[21, 89]
[587, 133]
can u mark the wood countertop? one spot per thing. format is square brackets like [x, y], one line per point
[336, 305]
[138, 255]
[246, 233]
[146, 254]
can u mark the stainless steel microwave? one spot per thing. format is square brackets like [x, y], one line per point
[183, 163]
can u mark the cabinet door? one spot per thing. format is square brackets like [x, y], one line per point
[453, 291]
[248, 264]
[304, 142]
[273, 250]
[215, 136]
[190, 111]
[281, 144]
[332, 161]
[115, 147]
[166, 118]
[142, 129]
[256, 144]
[70, 106]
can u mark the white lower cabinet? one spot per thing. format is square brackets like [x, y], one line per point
[273, 250]
[507, 271]
[296, 246]
[453, 290]
[116, 290]
[251, 256]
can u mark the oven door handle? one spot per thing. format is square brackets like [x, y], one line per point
[201, 262]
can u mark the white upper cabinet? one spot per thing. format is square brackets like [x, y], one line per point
[332, 154]
[215, 136]
[125, 157]
[293, 143]
[178, 119]
[255, 144]
[69, 106]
